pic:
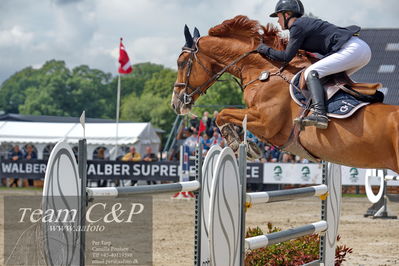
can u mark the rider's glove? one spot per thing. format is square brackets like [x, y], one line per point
[263, 49]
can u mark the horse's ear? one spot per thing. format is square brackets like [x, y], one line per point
[189, 38]
[196, 33]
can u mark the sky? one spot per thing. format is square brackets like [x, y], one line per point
[87, 32]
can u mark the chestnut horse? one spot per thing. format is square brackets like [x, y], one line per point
[367, 139]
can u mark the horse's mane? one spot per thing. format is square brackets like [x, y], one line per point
[243, 27]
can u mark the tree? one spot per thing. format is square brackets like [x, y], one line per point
[225, 92]
[153, 105]
[161, 83]
[134, 82]
[53, 89]
[13, 90]
[47, 90]
[89, 90]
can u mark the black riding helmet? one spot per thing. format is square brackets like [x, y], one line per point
[295, 6]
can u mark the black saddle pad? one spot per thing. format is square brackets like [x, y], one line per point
[339, 105]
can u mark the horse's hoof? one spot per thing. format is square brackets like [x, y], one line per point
[253, 151]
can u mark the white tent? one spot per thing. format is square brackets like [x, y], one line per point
[41, 134]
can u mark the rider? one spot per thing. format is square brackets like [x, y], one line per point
[342, 51]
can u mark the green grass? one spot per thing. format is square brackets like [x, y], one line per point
[22, 188]
[354, 195]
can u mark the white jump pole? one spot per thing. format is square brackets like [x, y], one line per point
[287, 194]
[123, 192]
[281, 236]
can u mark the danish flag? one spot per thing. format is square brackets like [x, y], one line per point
[125, 65]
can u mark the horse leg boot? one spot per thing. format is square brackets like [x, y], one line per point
[318, 118]
[230, 134]
[234, 135]
[253, 151]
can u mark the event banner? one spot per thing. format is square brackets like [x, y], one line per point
[268, 173]
[159, 171]
[356, 176]
[288, 173]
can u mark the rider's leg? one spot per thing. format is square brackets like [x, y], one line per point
[352, 71]
[354, 55]
[366, 59]
[351, 57]
[318, 118]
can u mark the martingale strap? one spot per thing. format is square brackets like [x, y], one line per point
[293, 144]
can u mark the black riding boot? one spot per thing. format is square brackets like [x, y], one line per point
[318, 118]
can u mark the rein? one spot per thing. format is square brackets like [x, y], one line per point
[265, 76]
[187, 98]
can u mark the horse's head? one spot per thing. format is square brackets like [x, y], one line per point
[203, 60]
[194, 75]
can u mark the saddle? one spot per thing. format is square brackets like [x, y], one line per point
[344, 82]
[343, 96]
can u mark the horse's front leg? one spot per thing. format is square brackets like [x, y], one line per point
[229, 122]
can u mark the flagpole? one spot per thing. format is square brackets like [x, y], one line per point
[124, 68]
[118, 99]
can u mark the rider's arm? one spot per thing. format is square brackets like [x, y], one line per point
[296, 39]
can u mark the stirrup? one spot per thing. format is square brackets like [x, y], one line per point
[316, 119]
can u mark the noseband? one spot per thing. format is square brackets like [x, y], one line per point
[187, 98]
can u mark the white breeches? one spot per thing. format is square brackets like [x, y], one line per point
[354, 55]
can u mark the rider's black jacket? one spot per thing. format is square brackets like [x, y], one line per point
[312, 35]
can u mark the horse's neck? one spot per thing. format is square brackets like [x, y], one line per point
[226, 50]
[271, 96]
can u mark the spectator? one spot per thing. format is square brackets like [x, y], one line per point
[213, 124]
[206, 120]
[216, 138]
[150, 157]
[30, 154]
[101, 156]
[287, 158]
[15, 155]
[206, 143]
[275, 154]
[191, 142]
[132, 155]
[252, 138]
[194, 123]
[267, 154]
[301, 160]
[222, 143]
[182, 135]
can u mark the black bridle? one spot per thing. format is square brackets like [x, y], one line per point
[186, 97]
